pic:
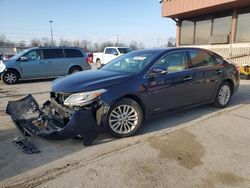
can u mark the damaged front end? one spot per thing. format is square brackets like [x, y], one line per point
[53, 121]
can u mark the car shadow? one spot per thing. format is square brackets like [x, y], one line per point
[14, 162]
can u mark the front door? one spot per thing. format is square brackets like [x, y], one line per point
[32, 66]
[174, 88]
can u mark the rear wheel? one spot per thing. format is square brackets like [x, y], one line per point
[98, 63]
[10, 77]
[124, 118]
[74, 70]
[223, 96]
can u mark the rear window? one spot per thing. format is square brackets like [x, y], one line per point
[71, 53]
[200, 58]
[124, 50]
[53, 53]
[108, 51]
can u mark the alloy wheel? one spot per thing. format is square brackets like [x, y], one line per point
[123, 119]
[224, 94]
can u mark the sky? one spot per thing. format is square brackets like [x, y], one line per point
[93, 20]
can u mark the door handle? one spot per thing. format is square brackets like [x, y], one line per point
[187, 78]
[218, 72]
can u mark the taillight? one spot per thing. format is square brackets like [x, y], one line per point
[87, 60]
[90, 58]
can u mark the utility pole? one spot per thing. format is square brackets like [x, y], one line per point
[51, 32]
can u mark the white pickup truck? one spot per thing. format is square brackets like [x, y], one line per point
[110, 53]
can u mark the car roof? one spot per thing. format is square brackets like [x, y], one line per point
[54, 47]
[161, 50]
[117, 47]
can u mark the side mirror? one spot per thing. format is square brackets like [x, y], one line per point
[24, 58]
[156, 71]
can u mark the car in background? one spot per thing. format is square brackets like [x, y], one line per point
[143, 84]
[44, 62]
[5, 56]
[109, 53]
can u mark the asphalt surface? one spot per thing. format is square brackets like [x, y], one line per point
[200, 147]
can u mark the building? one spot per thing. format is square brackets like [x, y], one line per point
[222, 26]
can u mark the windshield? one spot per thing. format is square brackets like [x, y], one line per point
[124, 50]
[133, 62]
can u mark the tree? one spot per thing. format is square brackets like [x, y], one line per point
[133, 45]
[65, 42]
[5, 42]
[46, 42]
[35, 43]
[171, 42]
[21, 43]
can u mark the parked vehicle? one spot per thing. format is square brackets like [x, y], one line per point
[5, 56]
[44, 62]
[109, 53]
[133, 88]
[245, 71]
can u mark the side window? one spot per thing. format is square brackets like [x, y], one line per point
[52, 53]
[108, 50]
[173, 62]
[114, 51]
[33, 55]
[71, 53]
[201, 58]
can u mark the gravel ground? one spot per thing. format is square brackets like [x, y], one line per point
[201, 147]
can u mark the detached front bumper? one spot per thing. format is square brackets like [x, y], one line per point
[30, 119]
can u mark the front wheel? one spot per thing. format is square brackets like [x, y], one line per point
[10, 77]
[124, 118]
[223, 95]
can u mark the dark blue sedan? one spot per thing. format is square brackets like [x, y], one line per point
[145, 83]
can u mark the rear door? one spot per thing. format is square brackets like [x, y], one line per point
[174, 89]
[208, 74]
[55, 63]
[33, 66]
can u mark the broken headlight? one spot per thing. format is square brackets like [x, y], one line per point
[82, 99]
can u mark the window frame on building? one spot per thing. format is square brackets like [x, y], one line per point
[241, 12]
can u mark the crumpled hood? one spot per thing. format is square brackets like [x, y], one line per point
[88, 81]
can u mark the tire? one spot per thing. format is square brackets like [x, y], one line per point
[10, 77]
[98, 64]
[223, 95]
[118, 123]
[74, 70]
